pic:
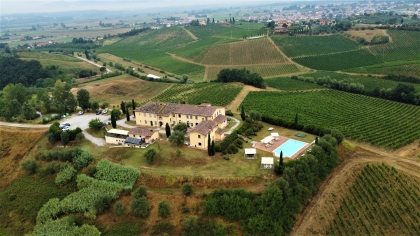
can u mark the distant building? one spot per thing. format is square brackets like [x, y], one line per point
[281, 30]
[153, 76]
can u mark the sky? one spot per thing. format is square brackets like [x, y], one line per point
[25, 6]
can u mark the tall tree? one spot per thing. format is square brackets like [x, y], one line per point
[208, 145]
[177, 138]
[15, 91]
[233, 20]
[168, 130]
[316, 140]
[65, 137]
[28, 111]
[113, 120]
[122, 106]
[63, 99]
[83, 98]
[133, 106]
[12, 110]
[243, 113]
[127, 114]
[213, 148]
[213, 20]
[255, 115]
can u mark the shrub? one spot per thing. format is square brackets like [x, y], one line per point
[150, 156]
[80, 136]
[187, 189]
[140, 192]
[161, 227]
[119, 208]
[65, 175]
[164, 208]
[95, 124]
[139, 207]
[110, 172]
[52, 168]
[82, 160]
[91, 171]
[29, 166]
[191, 226]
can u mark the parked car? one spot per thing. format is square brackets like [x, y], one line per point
[66, 128]
[66, 124]
[104, 111]
[98, 112]
[80, 113]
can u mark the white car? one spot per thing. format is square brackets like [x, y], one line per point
[80, 113]
[104, 111]
[66, 128]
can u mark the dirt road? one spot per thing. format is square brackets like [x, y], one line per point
[320, 211]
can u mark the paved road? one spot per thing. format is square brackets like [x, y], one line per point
[93, 63]
[24, 125]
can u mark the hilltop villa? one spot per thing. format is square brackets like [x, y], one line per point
[202, 119]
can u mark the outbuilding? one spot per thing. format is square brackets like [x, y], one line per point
[267, 163]
[250, 153]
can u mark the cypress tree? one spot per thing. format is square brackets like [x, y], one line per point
[122, 106]
[209, 145]
[281, 162]
[168, 130]
[113, 120]
[316, 140]
[243, 113]
[213, 148]
[127, 114]
[133, 105]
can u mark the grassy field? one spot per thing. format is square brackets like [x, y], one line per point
[15, 145]
[405, 46]
[122, 88]
[314, 45]
[286, 83]
[408, 68]
[379, 122]
[381, 201]
[64, 63]
[369, 83]
[263, 70]
[217, 94]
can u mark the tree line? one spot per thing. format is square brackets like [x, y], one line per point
[241, 75]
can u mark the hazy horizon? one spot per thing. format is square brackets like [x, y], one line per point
[25, 6]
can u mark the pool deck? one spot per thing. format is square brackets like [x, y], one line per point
[277, 143]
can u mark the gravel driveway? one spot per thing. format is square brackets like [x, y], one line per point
[82, 122]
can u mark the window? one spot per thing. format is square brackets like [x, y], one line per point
[192, 124]
[199, 136]
[199, 144]
[145, 114]
[173, 115]
[145, 121]
[155, 123]
[179, 116]
[187, 116]
[155, 115]
[150, 114]
[206, 117]
[196, 117]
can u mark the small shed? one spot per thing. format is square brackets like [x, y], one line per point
[250, 153]
[267, 163]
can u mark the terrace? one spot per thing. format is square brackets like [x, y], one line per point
[275, 144]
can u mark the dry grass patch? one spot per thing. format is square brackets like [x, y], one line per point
[15, 145]
[369, 34]
[122, 88]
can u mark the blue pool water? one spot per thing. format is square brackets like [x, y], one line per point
[289, 148]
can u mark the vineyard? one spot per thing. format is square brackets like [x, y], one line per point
[408, 68]
[377, 121]
[405, 45]
[339, 61]
[290, 84]
[263, 70]
[382, 201]
[369, 83]
[314, 45]
[151, 47]
[217, 94]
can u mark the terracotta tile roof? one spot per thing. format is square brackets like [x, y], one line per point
[220, 118]
[204, 127]
[141, 131]
[165, 109]
[220, 131]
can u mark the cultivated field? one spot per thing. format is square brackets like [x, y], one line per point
[377, 121]
[217, 94]
[368, 34]
[408, 68]
[122, 88]
[314, 45]
[382, 200]
[405, 46]
[286, 83]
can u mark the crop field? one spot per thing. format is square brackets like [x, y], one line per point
[408, 68]
[405, 46]
[258, 51]
[314, 45]
[285, 83]
[122, 88]
[370, 83]
[202, 32]
[151, 47]
[339, 61]
[377, 121]
[217, 94]
[382, 201]
[263, 70]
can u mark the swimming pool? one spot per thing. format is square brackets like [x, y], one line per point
[289, 148]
